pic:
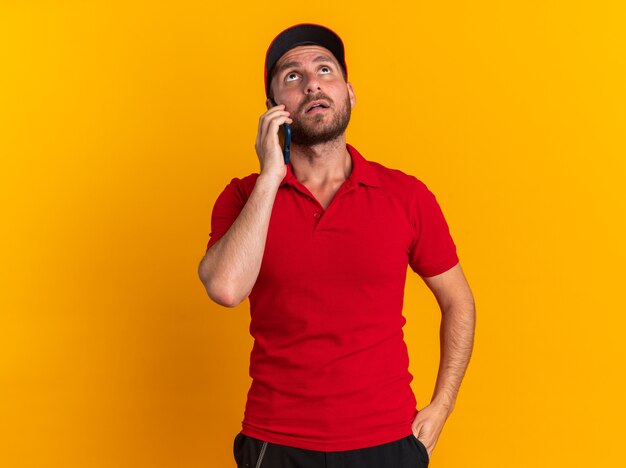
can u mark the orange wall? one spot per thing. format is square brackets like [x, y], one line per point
[120, 123]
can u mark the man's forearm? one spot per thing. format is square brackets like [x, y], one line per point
[231, 266]
[456, 342]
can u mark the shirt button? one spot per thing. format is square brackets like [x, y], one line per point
[308, 198]
[317, 215]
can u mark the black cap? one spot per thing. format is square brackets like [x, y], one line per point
[303, 34]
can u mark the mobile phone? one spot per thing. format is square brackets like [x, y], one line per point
[285, 136]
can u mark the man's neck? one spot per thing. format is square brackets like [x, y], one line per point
[319, 165]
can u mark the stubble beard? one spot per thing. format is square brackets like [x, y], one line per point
[314, 132]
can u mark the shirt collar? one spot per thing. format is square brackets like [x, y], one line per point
[362, 171]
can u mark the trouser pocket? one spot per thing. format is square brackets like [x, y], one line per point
[422, 449]
[248, 451]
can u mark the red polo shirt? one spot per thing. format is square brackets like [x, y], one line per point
[329, 363]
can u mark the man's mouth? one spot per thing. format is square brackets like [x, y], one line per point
[316, 106]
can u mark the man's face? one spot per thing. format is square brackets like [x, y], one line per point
[309, 75]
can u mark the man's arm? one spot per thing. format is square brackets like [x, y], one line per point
[456, 333]
[458, 322]
[231, 266]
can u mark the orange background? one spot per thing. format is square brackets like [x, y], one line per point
[121, 122]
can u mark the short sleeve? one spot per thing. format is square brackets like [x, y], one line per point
[227, 208]
[433, 251]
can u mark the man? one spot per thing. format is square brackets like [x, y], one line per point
[321, 247]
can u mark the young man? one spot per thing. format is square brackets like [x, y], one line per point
[321, 246]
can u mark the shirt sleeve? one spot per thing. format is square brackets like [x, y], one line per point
[227, 208]
[433, 251]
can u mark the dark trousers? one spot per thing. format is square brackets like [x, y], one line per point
[408, 452]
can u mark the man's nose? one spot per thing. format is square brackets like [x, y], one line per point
[312, 84]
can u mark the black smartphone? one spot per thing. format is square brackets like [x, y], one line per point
[285, 136]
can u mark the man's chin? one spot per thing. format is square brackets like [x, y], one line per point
[314, 138]
[319, 128]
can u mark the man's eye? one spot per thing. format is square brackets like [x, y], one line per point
[325, 68]
[291, 76]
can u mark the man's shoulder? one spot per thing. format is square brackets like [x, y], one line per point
[249, 180]
[243, 185]
[396, 179]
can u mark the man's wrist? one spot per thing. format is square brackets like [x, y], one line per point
[444, 402]
[269, 179]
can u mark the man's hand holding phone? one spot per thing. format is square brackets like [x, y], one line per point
[268, 145]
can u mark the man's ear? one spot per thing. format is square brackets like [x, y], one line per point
[351, 94]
